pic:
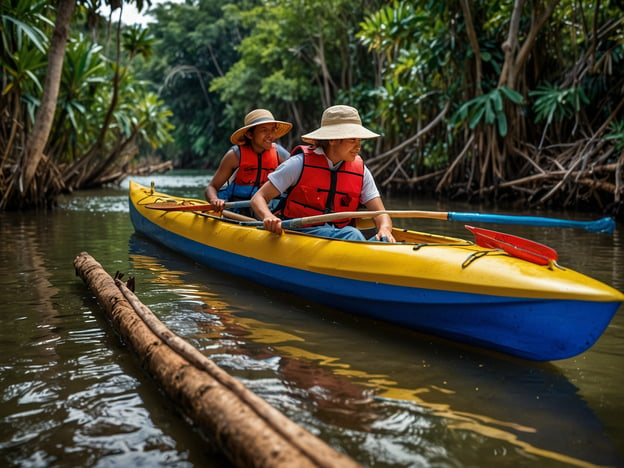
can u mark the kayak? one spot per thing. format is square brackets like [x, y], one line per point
[454, 288]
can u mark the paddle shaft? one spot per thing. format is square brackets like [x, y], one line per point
[606, 225]
[326, 218]
[173, 206]
[329, 217]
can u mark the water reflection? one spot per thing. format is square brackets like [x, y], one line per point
[67, 396]
[453, 405]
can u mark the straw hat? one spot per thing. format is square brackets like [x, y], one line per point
[338, 123]
[258, 117]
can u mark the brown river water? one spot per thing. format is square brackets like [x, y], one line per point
[73, 395]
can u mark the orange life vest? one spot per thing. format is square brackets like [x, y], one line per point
[320, 190]
[254, 168]
[253, 172]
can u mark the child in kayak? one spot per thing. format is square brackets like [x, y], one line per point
[246, 165]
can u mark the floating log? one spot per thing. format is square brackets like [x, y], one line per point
[249, 431]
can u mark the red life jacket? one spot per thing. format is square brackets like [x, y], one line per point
[254, 168]
[320, 190]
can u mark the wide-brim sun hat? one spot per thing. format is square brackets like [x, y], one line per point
[259, 117]
[339, 123]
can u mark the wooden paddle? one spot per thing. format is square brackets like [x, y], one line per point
[189, 206]
[515, 246]
[606, 225]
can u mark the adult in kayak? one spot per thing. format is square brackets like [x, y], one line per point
[327, 175]
[246, 165]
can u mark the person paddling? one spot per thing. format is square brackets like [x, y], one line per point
[246, 165]
[327, 175]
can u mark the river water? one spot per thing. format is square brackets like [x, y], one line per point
[73, 395]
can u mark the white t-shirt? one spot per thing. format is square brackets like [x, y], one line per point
[287, 174]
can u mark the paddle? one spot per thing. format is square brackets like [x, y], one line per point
[186, 206]
[515, 246]
[606, 225]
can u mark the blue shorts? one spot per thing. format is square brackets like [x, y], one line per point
[329, 230]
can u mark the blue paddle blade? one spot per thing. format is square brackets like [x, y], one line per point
[605, 225]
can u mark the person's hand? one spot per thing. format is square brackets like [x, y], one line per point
[217, 204]
[273, 224]
[385, 235]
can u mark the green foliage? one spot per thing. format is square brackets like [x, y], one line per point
[488, 109]
[554, 104]
[391, 27]
[138, 41]
[295, 57]
[616, 134]
[403, 64]
[146, 115]
[195, 44]
[85, 92]
[417, 53]
[183, 84]
[84, 72]
[24, 22]
[23, 70]
[23, 47]
[427, 61]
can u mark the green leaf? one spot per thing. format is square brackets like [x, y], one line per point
[476, 118]
[497, 100]
[501, 121]
[512, 95]
[489, 112]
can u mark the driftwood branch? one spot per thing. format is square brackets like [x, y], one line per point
[580, 177]
[249, 431]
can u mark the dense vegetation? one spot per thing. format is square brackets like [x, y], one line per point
[511, 100]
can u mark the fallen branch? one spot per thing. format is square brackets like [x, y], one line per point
[560, 176]
[249, 431]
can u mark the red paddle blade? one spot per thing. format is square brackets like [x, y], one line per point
[514, 246]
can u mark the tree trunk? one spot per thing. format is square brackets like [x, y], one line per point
[33, 153]
[474, 44]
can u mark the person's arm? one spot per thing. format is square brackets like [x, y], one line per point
[383, 222]
[285, 176]
[260, 206]
[227, 166]
[282, 153]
